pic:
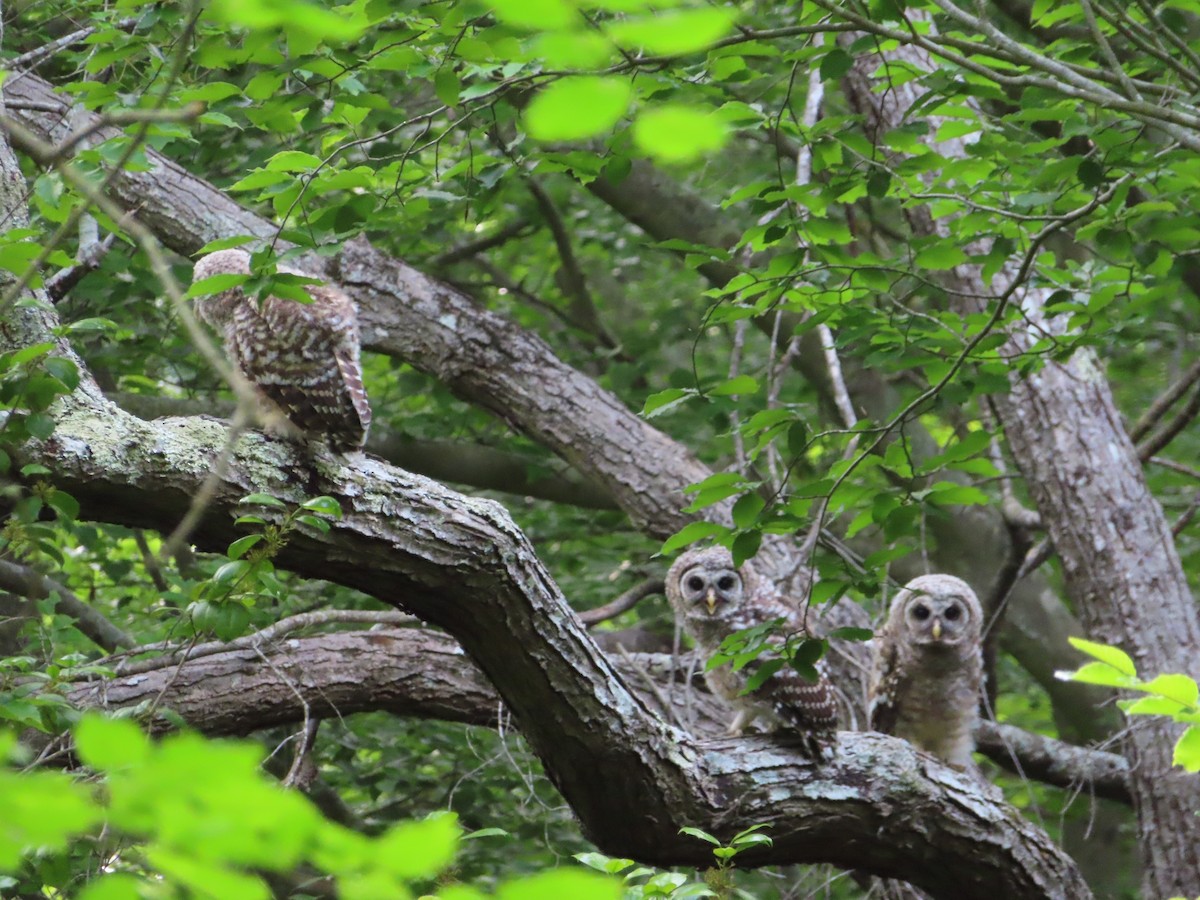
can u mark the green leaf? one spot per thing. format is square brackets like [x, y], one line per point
[214, 284]
[602, 863]
[296, 15]
[1097, 673]
[679, 134]
[262, 499]
[745, 545]
[486, 832]
[1179, 688]
[747, 509]
[116, 886]
[852, 634]
[1112, 656]
[663, 401]
[740, 384]
[537, 15]
[559, 884]
[573, 49]
[239, 547]
[674, 33]
[1187, 749]
[110, 744]
[689, 534]
[66, 505]
[325, 506]
[940, 256]
[578, 107]
[419, 850]
[230, 572]
[39, 425]
[702, 835]
[63, 369]
[292, 161]
[835, 64]
[760, 675]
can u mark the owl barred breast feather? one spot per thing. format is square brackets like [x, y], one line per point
[303, 358]
[927, 675]
[712, 600]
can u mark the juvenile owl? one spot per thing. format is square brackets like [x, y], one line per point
[712, 600]
[304, 358]
[928, 669]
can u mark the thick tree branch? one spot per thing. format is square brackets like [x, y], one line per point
[474, 465]
[262, 682]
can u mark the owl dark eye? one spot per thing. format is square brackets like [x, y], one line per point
[953, 613]
[920, 612]
[695, 583]
[726, 582]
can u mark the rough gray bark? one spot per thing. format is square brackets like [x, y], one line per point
[475, 465]
[1122, 571]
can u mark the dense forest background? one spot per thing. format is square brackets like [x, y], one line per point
[862, 290]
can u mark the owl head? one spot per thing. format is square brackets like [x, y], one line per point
[936, 611]
[216, 309]
[703, 584]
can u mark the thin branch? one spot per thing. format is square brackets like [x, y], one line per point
[1175, 466]
[514, 229]
[28, 61]
[60, 283]
[1164, 402]
[1164, 435]
[625, 602]
[28, 582]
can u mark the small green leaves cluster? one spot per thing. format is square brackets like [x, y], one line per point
[1174, 695]
[31, 380]
[222, 603]
[642, 882]
[190, 817]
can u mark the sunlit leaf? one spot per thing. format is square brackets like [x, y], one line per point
[572, 109]
[679, 134]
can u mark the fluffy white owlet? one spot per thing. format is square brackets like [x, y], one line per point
[928, 670]
[304, 358]
[712, 600]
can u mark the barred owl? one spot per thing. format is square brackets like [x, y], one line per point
[302, 357]
[712, 600]
[928, 669]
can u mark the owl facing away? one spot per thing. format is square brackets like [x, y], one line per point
[712, 599]
[928, 668]
[303, 358]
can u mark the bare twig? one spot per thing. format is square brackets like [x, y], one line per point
[60, 283]
[28, 61]
[514, 229]
[1165, 401]
[28, 582]
[1164, 435]
[623, 603]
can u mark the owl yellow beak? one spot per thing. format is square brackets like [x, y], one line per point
[937, 629]
[711, 601]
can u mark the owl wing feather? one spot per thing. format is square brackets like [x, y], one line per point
[304, 358]
[884, 709]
